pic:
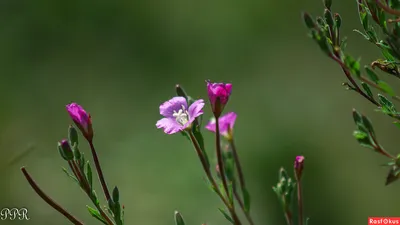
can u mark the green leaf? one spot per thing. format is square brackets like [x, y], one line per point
[226, 215]
[73, 136]
[338, 20]
[199, 137]
[246, 199]
[89, 175]
[328, 4]
[70, 175]
[362, 34]
[372, 75]
[82, 161]
[387, 106]
[328, 17]
[386, 88]
[308, 21]
[178, 219]
[363, 17]
[96, 214]
[392, 175]
[382, 20]
[115, 194]
[77, 153]
[367, 123]
[387, 55]
[363, 139]
[185, 134]
[359, 134]
[343, 44]
[357, 117]
[94, 196]
[353, 65]
[229, 164]
[392, 163]
[117, 213]
[367, 90]
[397, 123]
[321, 40]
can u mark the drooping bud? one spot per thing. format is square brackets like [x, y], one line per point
[65, 150]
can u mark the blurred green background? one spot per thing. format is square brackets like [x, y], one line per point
[121, 60]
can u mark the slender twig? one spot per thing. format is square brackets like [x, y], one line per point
[99, 171]
[366, 80]
[73, 169]
[379, 148]
[219, 157]
[388, 9]
[211, 178]
[353, 82]
[238, 165]
[288, 217]
[48, 200]
[300, 201]
[86, 187]
[247, 214]
[241, 181]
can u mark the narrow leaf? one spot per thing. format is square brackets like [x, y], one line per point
[372, 75]
[226, 215]
[89, 175]
[178, 219]
[367, 90]
[96, 214]
[246, 199]
[386, 88]
[70, 175]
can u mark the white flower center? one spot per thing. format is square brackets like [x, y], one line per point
[182, 116]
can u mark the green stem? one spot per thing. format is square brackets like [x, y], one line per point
[219, 158]
[241, 181]
[211, 178]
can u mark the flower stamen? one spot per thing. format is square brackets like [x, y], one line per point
[182, 116]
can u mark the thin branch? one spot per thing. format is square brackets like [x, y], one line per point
[211, 178]
[99, 171]
[48, 200]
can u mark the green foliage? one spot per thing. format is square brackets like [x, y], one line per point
[178, 219]
[382, 30]
[226, 215]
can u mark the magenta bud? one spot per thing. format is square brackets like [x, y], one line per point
[298, 166]
[82, 119]
[65, 150]
[218, 93]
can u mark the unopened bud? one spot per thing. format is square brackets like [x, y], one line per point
[65, 150]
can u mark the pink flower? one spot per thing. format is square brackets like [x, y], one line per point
[226, 123]
[81, 118]
[218, 93]
[177, 115]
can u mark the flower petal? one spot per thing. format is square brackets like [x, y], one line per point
[77, 114]
[225, 122]
[196, 109]
[169, 125]
[211, 125]
[175, 103]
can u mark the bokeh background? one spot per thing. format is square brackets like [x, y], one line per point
[121, 60]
